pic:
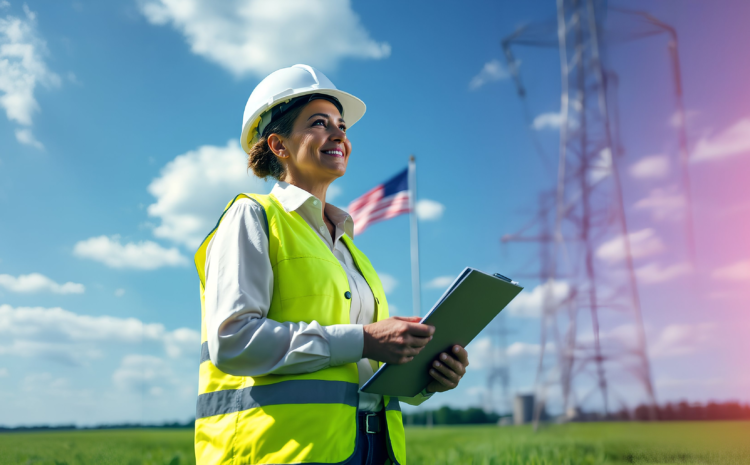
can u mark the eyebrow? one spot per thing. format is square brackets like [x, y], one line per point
[326, 115]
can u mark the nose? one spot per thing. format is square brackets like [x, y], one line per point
[337, 134]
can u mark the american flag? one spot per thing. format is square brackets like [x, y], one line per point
[382, 202]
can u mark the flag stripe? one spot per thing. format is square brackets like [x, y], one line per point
[382, 202]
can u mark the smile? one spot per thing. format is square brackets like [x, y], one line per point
[334, 152]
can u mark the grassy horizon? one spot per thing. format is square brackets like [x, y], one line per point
[575, 443]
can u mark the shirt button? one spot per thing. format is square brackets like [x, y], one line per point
[348, 295]
[316, 203]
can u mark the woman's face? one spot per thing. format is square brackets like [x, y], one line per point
[318, 148]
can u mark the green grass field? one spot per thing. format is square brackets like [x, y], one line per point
[589, 443]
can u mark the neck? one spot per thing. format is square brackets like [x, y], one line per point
[315, 187]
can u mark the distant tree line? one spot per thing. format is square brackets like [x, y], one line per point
[684, 411]
[449, 416]
[175, 424]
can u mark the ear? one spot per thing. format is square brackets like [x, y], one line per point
[276, 144]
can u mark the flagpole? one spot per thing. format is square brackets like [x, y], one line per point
[415, 287]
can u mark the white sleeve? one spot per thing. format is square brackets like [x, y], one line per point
[418, 399]
[242, 341]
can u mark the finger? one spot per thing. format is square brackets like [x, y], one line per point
[417, 329]
[416, 341]
[410, 319]
[442, 379]
[453, 364]
[447, 371]
[461, 354]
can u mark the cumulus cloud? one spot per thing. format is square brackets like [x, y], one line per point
[733, 141]
[429, 210]
[484, 353]
[650, 167]
[35, 282]
[739, 271]
[643, 243]
[389, 282]
[654, 273]
[144, 255]
[601, 167]
[491, 71]
[143, 373]
[256, 37]
[67, 337]
[187, 213]
[547, 121]
[530, 304]
[682, 339]
[22, 68]
[663, 203]
[440, 282]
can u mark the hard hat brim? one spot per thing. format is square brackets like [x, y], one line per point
[354, 109]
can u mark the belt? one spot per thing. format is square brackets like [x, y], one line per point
[371, 422]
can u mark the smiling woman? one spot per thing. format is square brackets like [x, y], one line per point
[295, 318]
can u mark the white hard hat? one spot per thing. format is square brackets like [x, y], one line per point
[284, 85]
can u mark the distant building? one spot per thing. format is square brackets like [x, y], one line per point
[523, 409]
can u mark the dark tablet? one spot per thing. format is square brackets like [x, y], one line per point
[464, 310]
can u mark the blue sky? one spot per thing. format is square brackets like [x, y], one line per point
[119, 149]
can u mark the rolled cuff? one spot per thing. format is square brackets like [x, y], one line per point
[345, 343]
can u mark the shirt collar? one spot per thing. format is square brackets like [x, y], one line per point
[292, 198]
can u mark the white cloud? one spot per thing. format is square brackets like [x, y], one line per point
[733, 141]
[530, 304]
[22, 68]
[601, 166]
[334, 191]
[389, 282]
[64, 336]
[547, 120]
[188, 213]
[484, 352]
[36, 282]
[26, 137]
[3, 372]
[653, 273]
[739, 271]
[144, 255]
[681, 339]
[650, 167]
[4, 4]
[663, 203]
[491, 71]
[143, 373]
[255, 37]
[441, 282]
[643, 243]
[429, 210]
[676, 119]
[119, 292]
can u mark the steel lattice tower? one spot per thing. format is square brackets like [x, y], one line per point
[585, 210]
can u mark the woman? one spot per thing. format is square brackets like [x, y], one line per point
[295, 319]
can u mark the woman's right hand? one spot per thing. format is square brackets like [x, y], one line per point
[396, 340]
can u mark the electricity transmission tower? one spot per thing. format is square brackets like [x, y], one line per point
[586, 270]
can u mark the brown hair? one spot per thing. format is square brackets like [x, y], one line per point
[261, 158]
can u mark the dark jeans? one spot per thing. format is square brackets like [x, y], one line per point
[371, 447]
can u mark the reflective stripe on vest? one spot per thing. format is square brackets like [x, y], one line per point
[284, 419]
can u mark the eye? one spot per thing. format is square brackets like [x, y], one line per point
[321, 121]
[343, 127]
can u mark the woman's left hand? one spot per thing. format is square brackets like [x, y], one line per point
[448, 370]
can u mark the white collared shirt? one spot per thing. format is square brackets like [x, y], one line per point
[242, 341]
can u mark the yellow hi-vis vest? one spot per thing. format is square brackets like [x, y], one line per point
[302, 418]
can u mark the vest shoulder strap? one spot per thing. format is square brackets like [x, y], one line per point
[200, 254]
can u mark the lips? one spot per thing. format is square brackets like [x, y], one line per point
[334, 152]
